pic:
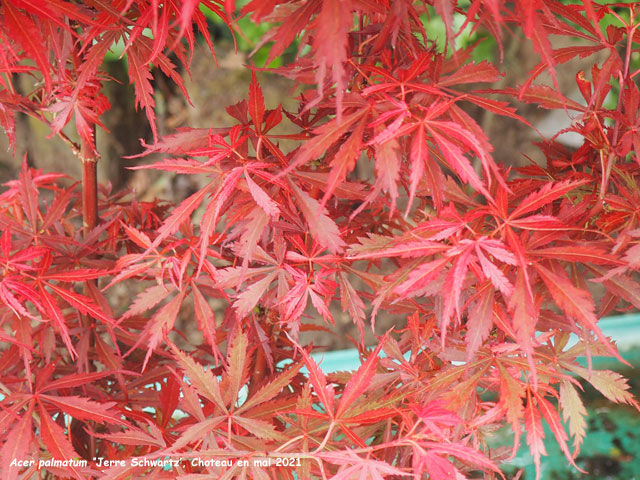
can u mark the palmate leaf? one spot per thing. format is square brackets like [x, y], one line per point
[278, 213]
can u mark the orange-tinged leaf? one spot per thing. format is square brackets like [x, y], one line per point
[250, 297]
[204, 316]
[350, 300]
[524, 319]
[271, 389]
[573, 412]
[198, 431]
[611, 384]
[387, 167]
[511, 395]
[236, 366]
[203, 380]
[552, 418]
[260, 428]
[472, 73]
[148, 299]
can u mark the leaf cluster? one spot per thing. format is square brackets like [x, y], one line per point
[487, 268]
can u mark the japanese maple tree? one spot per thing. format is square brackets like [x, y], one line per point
[487, 268]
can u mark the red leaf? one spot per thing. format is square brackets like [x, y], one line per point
[204, 316]
[160, 325]
[419, 156]
[136, 436]
[359, 381]
[575, 302]
[256, 102]
[85, 409]
[140, 77]
[73, 380]
[480, 322]
[28, 35]
[421, 276]
[324, 137]
[83, 304]
[57, 443]
[553, 420]
[261, 198]
[206, 383]
[236, 367]
[323, 229]
[343, 162]
[179, 215]
[547, 194]
[330, 46]
[535, 433]
[472, 73]
[318, 380]
[16, 445]
[456, 160]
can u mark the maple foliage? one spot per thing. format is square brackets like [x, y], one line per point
[487, 267]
